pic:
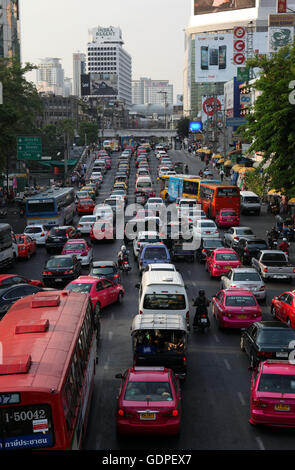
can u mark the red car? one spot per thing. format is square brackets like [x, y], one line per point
[7, 280]
[283, 308]
[221, 260]
[227, 218]
[85, 206]
[102, 230]
[148, 402]
[235, 308]
[272, 400]
[26, 246]
[102, 291]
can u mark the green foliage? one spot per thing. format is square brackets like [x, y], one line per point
[271, 125]
[257, 182]
[183, 127]
[21, 103]
[88, 129]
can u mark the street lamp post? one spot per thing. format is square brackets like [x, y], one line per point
[165, 93]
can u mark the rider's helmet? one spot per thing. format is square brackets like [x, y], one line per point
[201, 293]
[123, 248]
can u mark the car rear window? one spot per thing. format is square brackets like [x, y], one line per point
[252, 200]
[276, 337]
[33, 230]
[228, 213]
[82, 287]
[59, 263]
[155, 253]
[155, 391]
[102, 270]
[58, 232]
[20, 240]
[277, 383]
[258, 245]
[74, 246]
[246, 277]
[164, 302]
[212, 244]
[240, 301]
[226, 257]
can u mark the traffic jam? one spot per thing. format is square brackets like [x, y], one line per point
[163, 236]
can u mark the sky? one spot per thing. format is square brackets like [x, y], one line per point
[152, 31]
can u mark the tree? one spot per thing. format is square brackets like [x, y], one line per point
[21, 104]
[88, 131]
[271, 125]
[257, 182]
[183, 127]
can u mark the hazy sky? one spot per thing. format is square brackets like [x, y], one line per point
[152, 31]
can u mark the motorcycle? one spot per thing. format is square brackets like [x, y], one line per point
[203, 322]
[125, 265]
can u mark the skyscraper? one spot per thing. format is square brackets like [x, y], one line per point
[79, 68]
[9, 28]
[50, 76]
[108, 61]
[148, 91]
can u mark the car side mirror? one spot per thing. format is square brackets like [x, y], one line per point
[137, 286]
[119, 376]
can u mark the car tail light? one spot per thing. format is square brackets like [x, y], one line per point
[262, 288]
[140, 312]
[187, 316]
[42, 234]
[70, 271]
[236, 238]
[264, 354]
[79, 225]
[84, 253]
[174, 413]
[184, 360]
[259, 404]
[265, 270]
[121, 412]
[233, 285]
[46, 272]
[116, 276]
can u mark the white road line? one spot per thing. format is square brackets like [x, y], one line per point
[216, 339]
[110, 335]
[241, 398]
[260, 443]
[227, 364]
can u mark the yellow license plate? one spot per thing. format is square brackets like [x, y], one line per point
[146, 416]
[281, 407]
[227, 267]
[242, 316]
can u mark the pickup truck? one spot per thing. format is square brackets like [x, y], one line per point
[273, 264]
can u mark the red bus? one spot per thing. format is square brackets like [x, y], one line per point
[48, 352]
[216, 196]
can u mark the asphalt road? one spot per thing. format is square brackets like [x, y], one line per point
[215, 394]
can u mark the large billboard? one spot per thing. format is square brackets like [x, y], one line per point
[202, 7]
[218, 56]
[280, 31]
[99, 84]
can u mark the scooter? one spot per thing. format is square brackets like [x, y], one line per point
[125, 265]
[203, 322]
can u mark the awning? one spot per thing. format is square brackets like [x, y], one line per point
[221, 160]
[228, 163]
[237, 167]
[274, 192]
[291, 201]
[246, 169]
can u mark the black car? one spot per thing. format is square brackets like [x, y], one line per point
[108, 269]
[9, 295]
[248, 248]
[58, 236]
[61, 269]
[267, 340]
[207, 245]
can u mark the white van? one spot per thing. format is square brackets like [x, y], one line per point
[8, 246]
[163, 292]
[250, 202]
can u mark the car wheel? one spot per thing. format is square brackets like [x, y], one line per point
[120, 297]
[97, 313]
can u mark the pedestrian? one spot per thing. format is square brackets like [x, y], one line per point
[221, 173]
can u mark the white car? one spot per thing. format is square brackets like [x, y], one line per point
[205, 228]
[85, 223]
[145, 238]
[102, 211]
[37, 232]
[155, 203]
[160, 267]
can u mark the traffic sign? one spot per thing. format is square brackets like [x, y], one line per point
[239, 32]
[29, 148]
[235, 122]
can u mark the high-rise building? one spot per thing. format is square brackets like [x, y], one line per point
[50, 76]
[148, 91]
[79, 68]
[109, 64]
[219, 39]
[9, 28]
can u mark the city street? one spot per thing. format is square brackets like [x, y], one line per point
[215, 394]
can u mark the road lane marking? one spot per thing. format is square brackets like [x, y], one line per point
[260, 443]
[241, 398]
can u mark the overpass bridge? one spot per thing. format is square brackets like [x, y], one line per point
[140, 133]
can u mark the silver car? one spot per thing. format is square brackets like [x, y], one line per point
[233, 234]
[244, 278]
[85, 223]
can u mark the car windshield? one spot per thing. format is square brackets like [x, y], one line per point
[226, 257]
[86, 201]
[33, 230]
[81, 287]
[277, 383]
[151, 391]
[58, 232]
[244, 231]
[212, 243]
[155, 253]
[74, 246]
[59, 263]
[276, 336]
[251, 200]
[261, 245]
[252, 276]
[228, 213]
[144, 184]
[20, 240]
[240, 301]
[164, 301]
[150, 239]
[207, 225]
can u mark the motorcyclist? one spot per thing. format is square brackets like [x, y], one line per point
[284, 245]
[273, 235]
[201, 303]
[121, 255]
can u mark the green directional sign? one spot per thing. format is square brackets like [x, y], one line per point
[29, 148]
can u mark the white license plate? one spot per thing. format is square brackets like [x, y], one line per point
[58, 279]
[281, 354]
[203, 320]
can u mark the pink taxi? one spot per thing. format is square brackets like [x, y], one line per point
[235, 308]
[227, 218]
[272, 400]
[81, 248]
[219, 261]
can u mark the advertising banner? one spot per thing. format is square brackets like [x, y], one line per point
[218, 56]
[202, 7]
[280, 31]
[99, 84]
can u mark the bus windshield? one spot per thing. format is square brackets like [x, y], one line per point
[36, 206]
